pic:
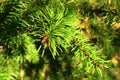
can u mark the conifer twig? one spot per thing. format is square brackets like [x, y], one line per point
[94, 61]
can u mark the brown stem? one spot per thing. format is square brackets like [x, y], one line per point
[8, 62]
[21, 71]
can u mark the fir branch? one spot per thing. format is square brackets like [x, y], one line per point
[94, 61]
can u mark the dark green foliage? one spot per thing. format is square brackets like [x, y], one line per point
[58, 39]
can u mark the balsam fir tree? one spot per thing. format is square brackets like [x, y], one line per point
[59, 39]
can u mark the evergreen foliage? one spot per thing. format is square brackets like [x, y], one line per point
[59, 39]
